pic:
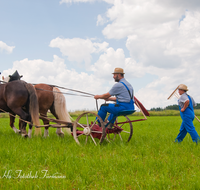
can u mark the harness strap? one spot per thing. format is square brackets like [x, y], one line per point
[128, 90]
[190, 104]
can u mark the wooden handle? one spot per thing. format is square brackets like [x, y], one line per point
[172, 93]
[197, 118]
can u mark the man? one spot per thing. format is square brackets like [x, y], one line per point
[186, 104]
[121, 92]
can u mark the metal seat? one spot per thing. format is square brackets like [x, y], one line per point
[125, 112]
[121, 113]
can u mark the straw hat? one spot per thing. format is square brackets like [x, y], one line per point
[118, 70]
[182, 87]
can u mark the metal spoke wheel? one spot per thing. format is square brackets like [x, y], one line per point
[122, 129]
[87, 130]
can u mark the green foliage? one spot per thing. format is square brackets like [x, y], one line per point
[151, 160]
[172, 107]
[156, 109]
[198, 106]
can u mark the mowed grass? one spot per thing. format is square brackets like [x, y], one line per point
[151, 160]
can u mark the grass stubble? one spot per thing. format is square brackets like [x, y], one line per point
[151, 160]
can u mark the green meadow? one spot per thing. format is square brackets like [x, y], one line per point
[151, 160]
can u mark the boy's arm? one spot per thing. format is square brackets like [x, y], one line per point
[186, 104]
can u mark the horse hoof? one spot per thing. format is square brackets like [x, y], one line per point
[24, 135]
[60, 134]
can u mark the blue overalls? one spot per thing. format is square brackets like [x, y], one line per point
[114, 109]
[187, 124]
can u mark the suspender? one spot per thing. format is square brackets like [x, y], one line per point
[128, 90]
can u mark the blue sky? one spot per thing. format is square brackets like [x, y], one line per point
[78, 43]
[31, 25]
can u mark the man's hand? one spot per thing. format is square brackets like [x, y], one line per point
[103, 96]
[96, 97]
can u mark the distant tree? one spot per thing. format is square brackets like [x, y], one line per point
[172, 107]
[197, 107]
[156, 109]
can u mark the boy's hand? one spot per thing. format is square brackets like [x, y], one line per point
[182, 110]
[185, 106]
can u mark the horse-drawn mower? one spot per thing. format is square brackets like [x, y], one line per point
[86, 127]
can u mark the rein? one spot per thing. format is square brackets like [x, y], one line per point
[70, 89]
[63, 92]
[1, 81]
[89, 95]
[86, 94]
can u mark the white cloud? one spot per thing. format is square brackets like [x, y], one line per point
[111, 59]
[56, 73]
[6, 48]
[181, 4]
[162, 38]
[101, 20]
[186, 42]
[78, 49]
[155, 35]
[167, 45]
[155, 94]
[131, 16]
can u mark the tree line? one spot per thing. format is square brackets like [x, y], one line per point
[172, 107]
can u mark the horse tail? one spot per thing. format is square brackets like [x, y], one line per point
[33, 107]
[60, 106]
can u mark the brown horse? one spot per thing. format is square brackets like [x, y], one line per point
[50, 98]
[20, 98]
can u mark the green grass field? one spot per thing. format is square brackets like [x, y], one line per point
[151, 160]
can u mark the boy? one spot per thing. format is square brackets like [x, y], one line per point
[186, 104]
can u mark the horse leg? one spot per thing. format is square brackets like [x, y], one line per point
[45, 122]
[24, 116]
[12, 121]
[20, 123]
[59, 131]
[23, 129]
[46, 132]
[30, 127]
